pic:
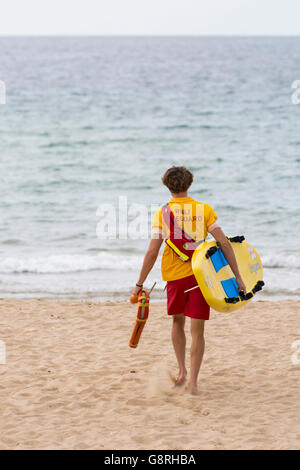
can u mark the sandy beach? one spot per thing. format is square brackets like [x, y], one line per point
[71, 382]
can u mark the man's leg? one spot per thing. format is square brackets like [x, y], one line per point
[197, 351]
[179, 342]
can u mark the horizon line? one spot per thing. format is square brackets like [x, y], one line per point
[133, 35]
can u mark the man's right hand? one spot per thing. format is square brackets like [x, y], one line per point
[241, 284]
[137, 290]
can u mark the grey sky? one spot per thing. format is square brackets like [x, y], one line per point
[150, 17]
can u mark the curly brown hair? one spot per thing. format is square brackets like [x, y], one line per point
[178, 179]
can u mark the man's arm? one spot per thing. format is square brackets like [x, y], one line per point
[228, 252]
[149, 261]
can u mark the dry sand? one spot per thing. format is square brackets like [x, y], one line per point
[71, 382]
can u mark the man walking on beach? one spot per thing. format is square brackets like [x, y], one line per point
[184, 216]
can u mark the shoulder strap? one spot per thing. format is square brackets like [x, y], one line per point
[173, 226]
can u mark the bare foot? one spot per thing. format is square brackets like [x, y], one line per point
[180, 379]
[193, 389]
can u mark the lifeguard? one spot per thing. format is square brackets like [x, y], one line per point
[184, 223]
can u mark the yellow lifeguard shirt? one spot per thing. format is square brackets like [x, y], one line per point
[196, 219]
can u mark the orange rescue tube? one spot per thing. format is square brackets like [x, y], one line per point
[141, 318]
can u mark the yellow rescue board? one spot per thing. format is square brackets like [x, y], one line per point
[216, 279]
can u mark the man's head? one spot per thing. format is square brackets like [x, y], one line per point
[178, 179]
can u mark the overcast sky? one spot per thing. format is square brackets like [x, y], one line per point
[150, 17]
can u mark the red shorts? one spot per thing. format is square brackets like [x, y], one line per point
[192, 304]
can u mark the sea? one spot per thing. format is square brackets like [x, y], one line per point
[88, 125]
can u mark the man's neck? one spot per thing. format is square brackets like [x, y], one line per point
[177, 195]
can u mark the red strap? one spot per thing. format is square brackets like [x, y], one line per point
[174, 227]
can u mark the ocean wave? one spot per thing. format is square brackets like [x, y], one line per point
[67, 263]
[66, 144]
[107, 260]
[279, 292]
[12, 241]
[281, 261]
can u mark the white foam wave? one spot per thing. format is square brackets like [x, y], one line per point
[108, 261]
[68, 263]
[280, 260]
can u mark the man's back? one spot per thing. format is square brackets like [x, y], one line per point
[195, 218]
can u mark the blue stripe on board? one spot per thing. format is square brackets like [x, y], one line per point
[230, 287]
[218, 260]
